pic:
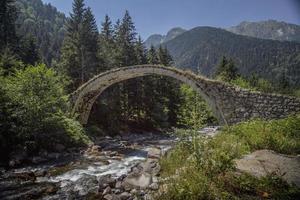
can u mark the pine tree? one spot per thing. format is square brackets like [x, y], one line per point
[80, 49]
[164, 57]
[107, 44]
[29, 51]
[90, 43]
[152, 56]
[227, 71]
[125, 36]
[8, 16]
[222, 66]
[141, 52]
[231, 70]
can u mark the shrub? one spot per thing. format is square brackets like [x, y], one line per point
[38, 110]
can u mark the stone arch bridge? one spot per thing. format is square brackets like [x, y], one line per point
[229, 104]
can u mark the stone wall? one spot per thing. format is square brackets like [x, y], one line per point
[229, 104]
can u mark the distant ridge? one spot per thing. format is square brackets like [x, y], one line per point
[157, 39]
[270, 29]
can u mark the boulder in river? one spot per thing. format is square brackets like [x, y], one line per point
[111, 197]
[142, 180]
[154, 153]
[105, 181]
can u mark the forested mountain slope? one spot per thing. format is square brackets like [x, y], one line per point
[43, 23]
[201, 48]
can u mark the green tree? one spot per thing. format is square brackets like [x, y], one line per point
[125, 36]
[40, 107]
[8, 16]
[193, 111]
[9, 62]
[29, 52]
[80, 49]
[141, 52]
[152, 56]
[107, 44]
[226, 71]
[164, 56]
[90, 45]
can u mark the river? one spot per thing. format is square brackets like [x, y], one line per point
[77, 176]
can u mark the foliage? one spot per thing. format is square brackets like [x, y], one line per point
[45, 24]
[36, 110]
[203, 168]
[80, 47]
[226, 70]
[8, 16]
[9, 63]
[193, 111]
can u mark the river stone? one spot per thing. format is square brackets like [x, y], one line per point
[86, 184]
[118, 185]
[263, 162]
[151, 166]
[142, 180]
[154, 186]
[105, 181]
[37, 159]
[106, 191]
[154, 153]
[125, 196]
[111, 197]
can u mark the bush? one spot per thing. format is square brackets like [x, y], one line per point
[37, 110]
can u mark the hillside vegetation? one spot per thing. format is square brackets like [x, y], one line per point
[204, 168]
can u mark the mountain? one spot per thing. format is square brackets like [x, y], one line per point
[158, 39]
[44, 23]
[200, 49]
[270, 29]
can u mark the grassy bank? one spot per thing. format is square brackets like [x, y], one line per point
[204, 168]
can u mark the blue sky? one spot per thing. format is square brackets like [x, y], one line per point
[158, 16]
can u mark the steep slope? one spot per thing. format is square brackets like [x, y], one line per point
[157, 39]
[43, 22]
[201, 48]
[270, 29]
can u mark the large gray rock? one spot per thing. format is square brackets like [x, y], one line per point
[142, 180]
[154, 153]
[263, 162]
[151, 166]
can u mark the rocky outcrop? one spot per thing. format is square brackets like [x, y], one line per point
[265, 162]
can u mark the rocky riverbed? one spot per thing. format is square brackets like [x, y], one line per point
[123, 167]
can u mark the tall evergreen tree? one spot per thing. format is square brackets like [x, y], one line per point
[80, 49]
[107, 44]
[227, 71]
[8, 16]
[125, 39]
[152, 56]
[141, 52]
[90, 43]
[29, 51]
[164, 56]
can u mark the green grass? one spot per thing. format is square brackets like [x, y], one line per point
[204, 168]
